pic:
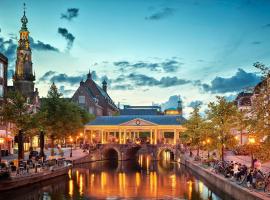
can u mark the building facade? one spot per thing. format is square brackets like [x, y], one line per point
[94, 99]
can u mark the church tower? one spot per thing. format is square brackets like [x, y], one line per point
[23, 79]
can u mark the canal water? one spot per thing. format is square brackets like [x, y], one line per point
[120, 180]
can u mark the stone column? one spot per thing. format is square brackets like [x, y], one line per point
[155, 136]
[91, 137]
[151, 136]
[120, 137]
[125, 136]
[102, 137]
[174, 136]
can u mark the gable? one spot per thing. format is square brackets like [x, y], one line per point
[138, 122]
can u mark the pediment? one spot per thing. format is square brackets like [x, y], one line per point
[138, 122]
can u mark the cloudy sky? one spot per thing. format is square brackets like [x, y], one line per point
[150, 51]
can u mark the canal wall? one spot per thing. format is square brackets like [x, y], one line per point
[21, 181]
[232, 189]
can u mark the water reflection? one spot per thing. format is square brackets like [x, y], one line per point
[144, 179]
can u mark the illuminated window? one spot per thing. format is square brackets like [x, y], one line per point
[81, 99]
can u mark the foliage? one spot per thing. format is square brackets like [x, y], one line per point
[61, 118]
[16, 111]
[222, 116]
[194, 125]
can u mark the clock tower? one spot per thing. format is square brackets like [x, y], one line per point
[23, 79]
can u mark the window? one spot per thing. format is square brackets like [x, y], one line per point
[81, 99]
[1, 91]
[91, 110]
[1, 70]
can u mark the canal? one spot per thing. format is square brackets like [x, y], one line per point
[120, 180]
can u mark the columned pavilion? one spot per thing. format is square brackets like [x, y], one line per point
[125, 129]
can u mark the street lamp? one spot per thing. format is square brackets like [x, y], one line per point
[251, 141]
[71, 140]
[1, 142]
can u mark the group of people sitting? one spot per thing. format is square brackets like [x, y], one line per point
[240, 172]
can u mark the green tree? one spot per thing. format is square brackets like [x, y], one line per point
[193, 133]
[16, 111]
[222, 115]
[61, 118]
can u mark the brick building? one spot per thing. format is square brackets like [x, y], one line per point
[94, 98]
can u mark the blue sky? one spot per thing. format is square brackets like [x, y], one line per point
[149, 50]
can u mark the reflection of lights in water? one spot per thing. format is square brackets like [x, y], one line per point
[189, 189]
[69, 173]
[173, 180]
[200, 187]
[81, 185]
[153, 182]
[70, 187]
[138, 179]
[147, 163]
[103, 179]
[122, 182]
[77, 175]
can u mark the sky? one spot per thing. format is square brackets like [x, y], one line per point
[149, 51]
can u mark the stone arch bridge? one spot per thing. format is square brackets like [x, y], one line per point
[130, 152]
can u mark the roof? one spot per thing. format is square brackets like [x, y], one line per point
[139, 112]
[156, 119]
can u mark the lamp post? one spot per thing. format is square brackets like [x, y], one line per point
[1, 142]
[71, 140]
[251, 141]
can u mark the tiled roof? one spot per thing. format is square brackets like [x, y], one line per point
[157, 119]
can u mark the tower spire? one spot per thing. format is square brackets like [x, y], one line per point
[24, 19]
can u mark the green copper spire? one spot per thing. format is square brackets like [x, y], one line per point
[24, 20]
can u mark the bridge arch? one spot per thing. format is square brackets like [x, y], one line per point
[111, 153]
[166, 153]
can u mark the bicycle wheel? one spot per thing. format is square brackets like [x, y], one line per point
[242, 179]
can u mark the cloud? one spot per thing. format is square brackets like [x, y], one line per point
[171, 103]
[47, 76]
[40, 46]
[123, 87]
[8, 48]
[52, 76]
[266, 26]
[195, 103]
[70, 14]
[169, 65]
[65, 92]
[68, 36]
[144, 80]
[256, 42]
[161, 14]
[236, 83]
[64, 78]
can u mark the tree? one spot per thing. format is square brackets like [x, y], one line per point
[222, 115]
[61, 118]
[16, 111]
[194, 130]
